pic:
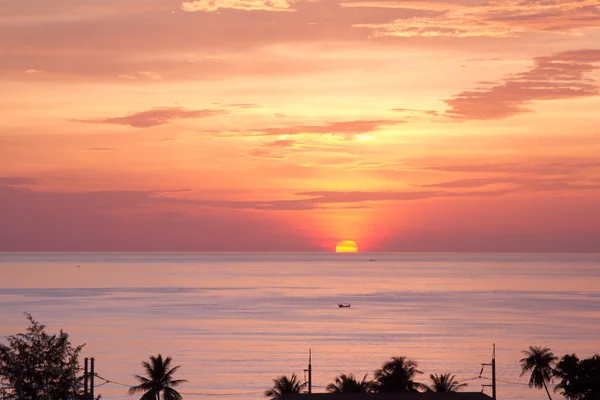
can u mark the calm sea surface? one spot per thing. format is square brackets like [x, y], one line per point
[234, 321]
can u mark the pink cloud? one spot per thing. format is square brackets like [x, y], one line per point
[157, 116]
[559, 76]
[498, 18]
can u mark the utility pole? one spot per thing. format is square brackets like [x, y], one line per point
[493, 365]
[85, 378]
[92, 379]
[309, 370]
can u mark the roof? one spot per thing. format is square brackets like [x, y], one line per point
[388, 396]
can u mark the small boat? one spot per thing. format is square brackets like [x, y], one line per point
[343, 305]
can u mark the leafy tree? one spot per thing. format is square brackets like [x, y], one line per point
[348, 384]
[283, 385]
[44, 366]
[397, 375]
[159, 380]
[444, 383]
[567, 369]
[539, 361]
[580, 379]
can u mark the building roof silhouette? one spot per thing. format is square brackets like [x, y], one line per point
[387, 396]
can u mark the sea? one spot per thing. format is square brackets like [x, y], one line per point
[236, 321]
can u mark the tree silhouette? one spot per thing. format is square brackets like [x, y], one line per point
[444, 383]
[44, 366]
[348, 384]
[159, 380]
[397, 375]
[283, 384]
[539, 361]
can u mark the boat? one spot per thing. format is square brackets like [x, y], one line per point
[343, 305]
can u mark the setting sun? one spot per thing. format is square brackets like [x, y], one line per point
[346, 246]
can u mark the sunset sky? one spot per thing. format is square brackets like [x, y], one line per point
[274, 125]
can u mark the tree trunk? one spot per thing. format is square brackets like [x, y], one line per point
[546, 387]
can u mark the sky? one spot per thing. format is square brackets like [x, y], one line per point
[281, 125]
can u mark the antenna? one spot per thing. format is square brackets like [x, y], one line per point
[309, 370]
[493, 365]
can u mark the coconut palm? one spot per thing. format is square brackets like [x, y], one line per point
[444, 383]
[283, 384]
[348, 384]
[539, 361]
[396, 375]
[159, 379]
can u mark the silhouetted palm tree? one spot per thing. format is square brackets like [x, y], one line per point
[348, 384]
[397, 375]
[159, 379]
[444, 383]
[283, 384]
[539, 361]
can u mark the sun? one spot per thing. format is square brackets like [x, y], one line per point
[346, 246]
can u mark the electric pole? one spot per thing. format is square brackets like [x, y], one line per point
[92, 378]
[85, 378]
[493, 365]
[309, 370]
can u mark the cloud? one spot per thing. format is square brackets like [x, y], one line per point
[157, 116]
[33, 71]
[100, 148]
[248, 5]
[499, 18]
[17, 180]
[283, 148]
[558, 167]
[343, 129]
[559, 76]
[418, 112]
[149, 74]
[134, 220]
[532, 184]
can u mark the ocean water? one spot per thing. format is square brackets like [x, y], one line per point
[235, 321]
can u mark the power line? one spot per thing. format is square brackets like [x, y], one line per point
[510, 383]
[219, 394]
[109, 381]
[186, 393]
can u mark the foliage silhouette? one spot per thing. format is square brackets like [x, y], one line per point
[580, 379]
[159, 380]
[348, 384]
[539, 361]
[283, 385]
[444, 383]
[45, 366]
[397, 376]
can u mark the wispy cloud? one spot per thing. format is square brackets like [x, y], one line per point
[532, 184]
[157, 116]
[559, 76]
[499, 18]
[17, 180]
[283, 148]
[248, 5]
[558, 167]
[343, 129]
